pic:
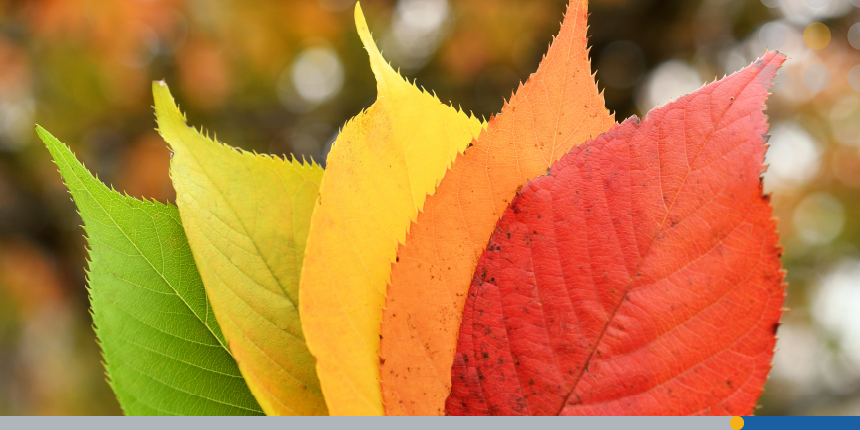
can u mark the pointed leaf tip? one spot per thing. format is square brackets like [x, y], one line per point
[247, 219]
[598, 295]
[385, 162]
[383, 71]
[140, 269]
[558, 107]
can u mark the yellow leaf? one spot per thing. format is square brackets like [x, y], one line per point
[247, 218]
[378, 174]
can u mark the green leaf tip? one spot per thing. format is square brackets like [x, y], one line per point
[163, 351]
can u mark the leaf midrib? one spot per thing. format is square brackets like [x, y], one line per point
[98, 203]
[232, 209]
[642, 258]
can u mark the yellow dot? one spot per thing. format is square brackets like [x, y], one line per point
[816, 35]
[737, 423]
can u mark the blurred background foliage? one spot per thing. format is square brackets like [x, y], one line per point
[283, 76]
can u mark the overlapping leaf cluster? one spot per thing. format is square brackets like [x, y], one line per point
[635, 273]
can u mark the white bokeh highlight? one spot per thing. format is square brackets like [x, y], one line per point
[794, 157]
[417, 29]
[317, 74]
[854, 36]
[818, 219]
[773, 35]
[796, 356]
[314, 77]
[800, 12]
[668, 81]
[836, 305]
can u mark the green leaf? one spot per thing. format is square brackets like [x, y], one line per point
[247, 218]
[163, 350]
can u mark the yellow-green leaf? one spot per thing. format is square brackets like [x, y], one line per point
[246, 217]
[378, 174]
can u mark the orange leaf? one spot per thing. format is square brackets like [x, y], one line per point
[557, 108]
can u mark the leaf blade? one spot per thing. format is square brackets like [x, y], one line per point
[178, 365]
[378, 173]
[557, 108]
[246, 217]
[641, 276]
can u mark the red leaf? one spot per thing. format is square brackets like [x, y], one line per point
[640, 276]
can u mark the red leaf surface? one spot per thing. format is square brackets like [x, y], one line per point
[640, 276]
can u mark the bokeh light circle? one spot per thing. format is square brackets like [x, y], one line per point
[819, 218]
[794, 157]
[854, 35]
[817, 3]
[834, 305]
[816, 35]
[854, 78]
[772, 3]
[773, 35]
[816, 78]
[317, 74]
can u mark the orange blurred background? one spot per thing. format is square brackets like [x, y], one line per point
[283, 76]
